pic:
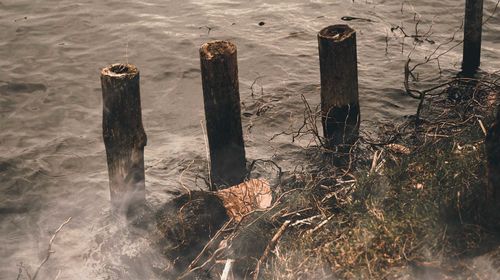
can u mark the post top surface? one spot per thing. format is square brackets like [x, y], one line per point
[120, 70]
[214, 49]
[337, 32]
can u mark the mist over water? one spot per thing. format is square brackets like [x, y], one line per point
[52, 158]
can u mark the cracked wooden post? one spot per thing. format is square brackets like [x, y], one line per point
[473, 27]
[339, 86]
[492, 143]
[219, 73]
[124, 135]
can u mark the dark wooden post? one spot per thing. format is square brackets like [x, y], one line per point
[492, 143]
[339, 85]
[219, 73]
[473, 26]
[124, 135]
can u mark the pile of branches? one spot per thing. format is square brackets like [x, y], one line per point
[405, 204]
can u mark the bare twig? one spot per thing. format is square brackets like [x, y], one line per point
[49, 249]
[210, 259]
[58, 275]
[311, 231]
[482, 127]
[209, 243]
[434, 56]
[207, 27]
[409, 91]
[492, 13]
[227, 269]
[182, 175]
[255, 81]
[270, 247]
[20, 272]
[308, 127]
[251, 167]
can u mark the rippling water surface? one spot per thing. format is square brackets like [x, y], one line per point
[52, 159]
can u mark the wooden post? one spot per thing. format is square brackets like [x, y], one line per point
[473, 27]
[219, 73]
[492, 143]
[339, 85]
[124, 135]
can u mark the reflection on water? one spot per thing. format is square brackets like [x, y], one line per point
[52, 160]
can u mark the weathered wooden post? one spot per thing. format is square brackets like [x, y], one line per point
[473, 27]
[492, 143]
[339, 85]
[219, 73]
[124, 135]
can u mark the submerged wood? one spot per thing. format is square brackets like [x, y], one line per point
[124, 135]
[339, 85]
[219, 72]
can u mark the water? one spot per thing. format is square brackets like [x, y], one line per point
[52, 159]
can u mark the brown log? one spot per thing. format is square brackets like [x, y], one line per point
[219, 72]
[123, 134]
[339, 85]
[473, 27]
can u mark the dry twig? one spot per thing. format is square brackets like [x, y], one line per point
[49, 249]
[270, 247]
